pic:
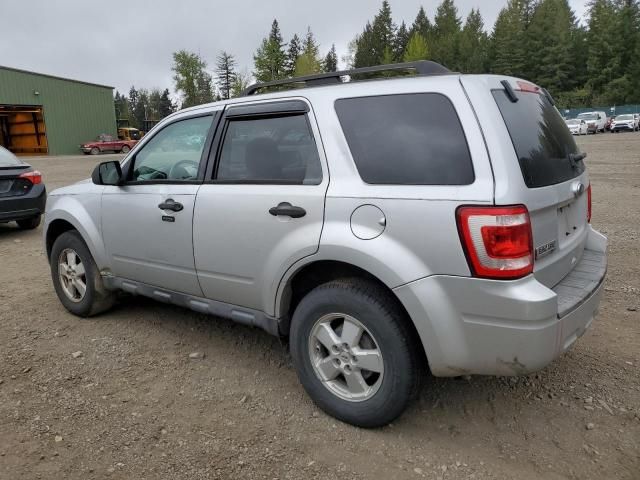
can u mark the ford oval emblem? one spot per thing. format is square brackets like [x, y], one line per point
[577, 188]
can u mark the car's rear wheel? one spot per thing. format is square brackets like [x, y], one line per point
[29, 223]
[76, 278]
[95, 151]
[125, 149]
[354, 352]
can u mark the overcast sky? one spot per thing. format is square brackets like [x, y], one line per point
[130, 43]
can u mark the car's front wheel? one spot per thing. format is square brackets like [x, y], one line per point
[95, 151]
[354, 352]
[76, 278]
[125, 149]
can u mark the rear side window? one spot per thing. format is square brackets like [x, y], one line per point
[408, 139]
[277, 150]
[540, 137]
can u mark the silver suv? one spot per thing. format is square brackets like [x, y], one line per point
[381, 226]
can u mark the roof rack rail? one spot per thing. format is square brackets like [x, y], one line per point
[423, 67]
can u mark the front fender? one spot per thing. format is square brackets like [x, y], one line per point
[83, 212]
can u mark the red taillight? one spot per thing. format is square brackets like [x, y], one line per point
[34, 177]
[497, 241]
[589, 203]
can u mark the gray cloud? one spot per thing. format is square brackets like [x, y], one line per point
[131, 43]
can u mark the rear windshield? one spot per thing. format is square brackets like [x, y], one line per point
[8, 159]
[540, 137]
[406, 139]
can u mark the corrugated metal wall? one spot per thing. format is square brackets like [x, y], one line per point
[74, 112]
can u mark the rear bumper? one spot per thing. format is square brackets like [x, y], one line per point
[491, 327]
[26, 206]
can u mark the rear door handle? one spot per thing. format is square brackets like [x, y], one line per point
[286, 209]
[169, 204]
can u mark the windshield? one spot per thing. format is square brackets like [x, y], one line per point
[544, 145]
[625, 117]
[588, 116]
[8, 159]
[573, 122]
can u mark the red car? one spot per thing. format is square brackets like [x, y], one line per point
[107, 143]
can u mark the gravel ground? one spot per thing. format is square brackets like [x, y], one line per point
[118, 396]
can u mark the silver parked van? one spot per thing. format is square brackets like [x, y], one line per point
[382, 226]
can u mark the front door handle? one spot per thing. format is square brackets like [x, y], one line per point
[286, 209]
[169, 204]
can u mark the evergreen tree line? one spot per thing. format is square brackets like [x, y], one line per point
[273, 60]
[143, 105]
[539, 40]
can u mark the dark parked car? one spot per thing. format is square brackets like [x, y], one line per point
[22, 193]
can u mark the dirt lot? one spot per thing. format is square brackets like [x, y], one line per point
[134, 405]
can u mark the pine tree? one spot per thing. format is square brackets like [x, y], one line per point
[133, 100]
[507, 44]
[421, 25]
[376, 38]
[241, 83]
[153, 110]
[550, 63]
[166, 106]
[446, 32]
[293, 52]
[401, 42]
[473, 47]
[364, 54]
[330, 63]
[121, 105]
[416, 49]
[383, 33]
[270, 59]
[205, 88]
[603, 64]
[225, 71]
[308, 62]
[139, 110]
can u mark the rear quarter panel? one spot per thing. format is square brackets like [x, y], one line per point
[420, 237]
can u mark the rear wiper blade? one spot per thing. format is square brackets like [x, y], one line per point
[574, 158]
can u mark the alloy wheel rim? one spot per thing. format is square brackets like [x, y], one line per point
[72, 275]
[346, 357]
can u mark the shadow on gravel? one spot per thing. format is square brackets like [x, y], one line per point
[11, 230]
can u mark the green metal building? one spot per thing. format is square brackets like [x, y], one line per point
[46, 115]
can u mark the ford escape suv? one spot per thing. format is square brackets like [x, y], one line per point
[380, 225]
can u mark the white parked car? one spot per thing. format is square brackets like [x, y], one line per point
[597, 119]
[624, 123]
[577, 126]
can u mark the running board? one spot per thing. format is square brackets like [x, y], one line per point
[244, 316]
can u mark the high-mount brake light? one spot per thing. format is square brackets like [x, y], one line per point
[497, 241]
[527, 87]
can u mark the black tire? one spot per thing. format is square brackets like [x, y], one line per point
[125, 149]
[96, 299]
[95, 151]
[379, 312]
[29, 223]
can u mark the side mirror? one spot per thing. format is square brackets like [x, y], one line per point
[108, 173]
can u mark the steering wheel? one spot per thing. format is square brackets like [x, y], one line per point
[180, 171]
